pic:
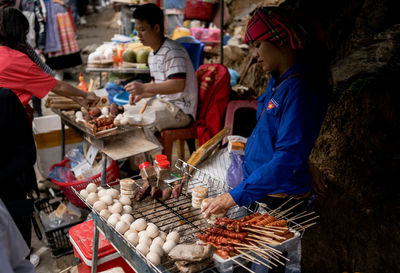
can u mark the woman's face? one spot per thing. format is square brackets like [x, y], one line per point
[268, 55]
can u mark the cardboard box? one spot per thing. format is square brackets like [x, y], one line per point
[47, 135]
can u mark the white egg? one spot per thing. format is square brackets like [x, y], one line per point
[145, 240]
[127, 218]
[113, 192]
[158, 240]
[154, 258]
[116, 215]
[122, 227]
[133, 238]
[92, 197]
[99, 206]
[125, 200]
[106, 199]
[112, 221]
[91, 187]
[116, 208]
[173, 236]
[104, 111]
[162, 235]
[127, 209]
[84, 193]
[140, 224]
[156, 248]
[105, 213]
[168, 245]
[143, 248]
[143, 233]
[152, 230]
[101, 192]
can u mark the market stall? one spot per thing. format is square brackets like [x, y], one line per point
[182, 217]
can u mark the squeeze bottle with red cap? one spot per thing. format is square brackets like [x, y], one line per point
[82, 84]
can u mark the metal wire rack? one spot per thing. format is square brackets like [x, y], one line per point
[172, 214]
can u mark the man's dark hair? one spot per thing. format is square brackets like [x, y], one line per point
[6, 3]
[13, 29]
[150, 13]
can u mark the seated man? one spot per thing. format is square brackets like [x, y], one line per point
[173, 95]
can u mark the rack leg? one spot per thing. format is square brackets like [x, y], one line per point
[62, 140]
[95, 247]
[103, 175]
[101, 82]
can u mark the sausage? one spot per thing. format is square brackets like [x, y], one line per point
[143, 192]
[177, 191]
[166, 193]
[114, 109]
[95, 112]
[155, 192]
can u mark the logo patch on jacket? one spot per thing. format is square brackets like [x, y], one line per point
[271, 104]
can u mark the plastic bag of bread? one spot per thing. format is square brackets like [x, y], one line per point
[191, 252]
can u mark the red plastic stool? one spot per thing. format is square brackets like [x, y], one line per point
[234, 105]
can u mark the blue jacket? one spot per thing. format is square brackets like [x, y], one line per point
[288, 122]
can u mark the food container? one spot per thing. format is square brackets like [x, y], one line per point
[163, 171]
[159, 158]
[147, 171]
[81, 237]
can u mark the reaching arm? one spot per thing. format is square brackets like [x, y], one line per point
[86, 99]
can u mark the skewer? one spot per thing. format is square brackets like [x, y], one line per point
[268, 235]
[249, 258]
[270, 255]
[269, 241]
[243, 266]
[255, 260]
[285, 211]
[277, 252]
[307, 226]
[302, 223]
[277, 209]
[300, 215]
[267, 228]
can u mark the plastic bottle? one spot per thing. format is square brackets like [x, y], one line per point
[121, 52]
[82, 84]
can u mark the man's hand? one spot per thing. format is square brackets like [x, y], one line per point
[137, 91]
[133, 99]
[221, 203]
[90, 100]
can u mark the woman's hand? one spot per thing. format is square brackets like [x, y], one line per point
[221, 203]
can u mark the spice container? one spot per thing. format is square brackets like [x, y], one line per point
[163, 169]
[159, 158]
[147, 172]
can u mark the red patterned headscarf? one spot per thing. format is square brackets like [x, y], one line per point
[272, 26]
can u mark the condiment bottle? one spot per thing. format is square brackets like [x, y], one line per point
[82, 84]
[159, 158]
[163, 170]
[121, 52]
[147, 171]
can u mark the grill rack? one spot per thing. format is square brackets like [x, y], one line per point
[172, 214]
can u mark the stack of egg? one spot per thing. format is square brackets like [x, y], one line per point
[198, 195]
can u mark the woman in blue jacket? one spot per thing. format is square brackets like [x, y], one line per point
[289, 116]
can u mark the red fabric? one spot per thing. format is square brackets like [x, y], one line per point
[215, 88]
[22, 76]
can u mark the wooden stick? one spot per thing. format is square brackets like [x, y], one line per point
[275, 256]
[243, 266]
[302, 223]
[250, 259]
[277, 209]
[268, 235]
[267, 240]
[300, 215]
[285, 211]
[307, 226]
[258, 261]
[143, 107]
[267, 256]
[267, 228]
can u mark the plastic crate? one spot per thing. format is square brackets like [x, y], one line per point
[199, 9]
[112, 174]
[57, 238]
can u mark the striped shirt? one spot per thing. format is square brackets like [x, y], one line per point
[171, 61]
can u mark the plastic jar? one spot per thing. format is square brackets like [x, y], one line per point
[159, 158]
[147, 171]
[163, 169]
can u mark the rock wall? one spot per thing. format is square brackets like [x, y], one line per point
[359, 144]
